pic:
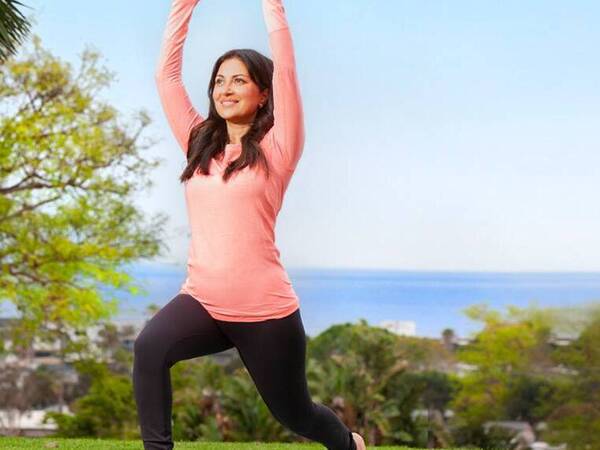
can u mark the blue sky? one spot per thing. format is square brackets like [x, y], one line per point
[440, 135]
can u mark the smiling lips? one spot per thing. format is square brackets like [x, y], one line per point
[228, 102]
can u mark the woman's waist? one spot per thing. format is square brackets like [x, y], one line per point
[229, 254]
[243, 273]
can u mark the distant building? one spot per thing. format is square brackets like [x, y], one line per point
[29, 423]
[400, 327]
[461, 369]
[562, 339]
[461, 342]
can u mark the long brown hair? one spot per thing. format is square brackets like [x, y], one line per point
[208, 139]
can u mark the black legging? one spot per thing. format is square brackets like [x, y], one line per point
[273, 352]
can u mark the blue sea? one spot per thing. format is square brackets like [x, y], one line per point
[432, 300]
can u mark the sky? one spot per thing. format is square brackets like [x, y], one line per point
[440, 135]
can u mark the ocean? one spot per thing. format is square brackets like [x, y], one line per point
[431, 300]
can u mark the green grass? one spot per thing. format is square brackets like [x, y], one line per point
[101, 444]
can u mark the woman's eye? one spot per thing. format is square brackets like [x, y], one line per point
[220, 80]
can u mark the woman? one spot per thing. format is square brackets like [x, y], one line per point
[240, 160]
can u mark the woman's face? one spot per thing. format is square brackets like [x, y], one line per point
[235, 95]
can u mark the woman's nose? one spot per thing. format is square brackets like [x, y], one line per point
[228, 87]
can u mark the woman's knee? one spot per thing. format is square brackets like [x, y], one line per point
[146, 348]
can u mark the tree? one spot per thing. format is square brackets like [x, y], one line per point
[107, 410]
[118, 358]
[576, 417]
[68, 169]
[436, 392]
[14, 27]
[250, 418]
[352, 368]
[448, 337]
[506, 350]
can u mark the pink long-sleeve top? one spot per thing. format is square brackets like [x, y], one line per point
[233, 266]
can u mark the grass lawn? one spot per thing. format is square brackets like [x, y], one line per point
[101, 444]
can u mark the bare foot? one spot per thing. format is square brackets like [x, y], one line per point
[359, 441]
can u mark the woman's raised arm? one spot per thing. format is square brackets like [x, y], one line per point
[181, 115]
[287, 134]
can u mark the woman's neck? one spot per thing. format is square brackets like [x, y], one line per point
[236, 131]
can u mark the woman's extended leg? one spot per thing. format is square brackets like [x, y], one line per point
[274, 352]
[182, 329]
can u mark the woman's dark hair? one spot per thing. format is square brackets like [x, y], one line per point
[208, 139]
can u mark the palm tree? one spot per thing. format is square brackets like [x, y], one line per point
[448, 339]
[14, 27]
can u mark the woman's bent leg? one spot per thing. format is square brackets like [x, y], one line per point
[274, 352]
[182, 329]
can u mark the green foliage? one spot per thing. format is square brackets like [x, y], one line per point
[576, 417]
[528, 397]
[68, 172]
[107, 410]
[14, 27]
[194, 385]
[520, 375]
[364, 370]
[212, 405]
[502, 351]
[250, 417]
[376, 381]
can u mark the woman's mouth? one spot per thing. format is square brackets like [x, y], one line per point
[228, 102]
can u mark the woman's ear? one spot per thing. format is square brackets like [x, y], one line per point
[265, 96]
